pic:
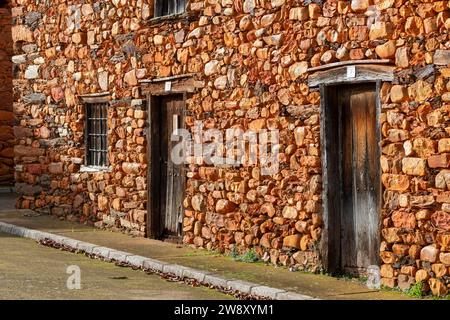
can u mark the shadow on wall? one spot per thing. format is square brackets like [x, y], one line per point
[6, 97]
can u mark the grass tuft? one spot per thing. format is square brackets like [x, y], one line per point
[250, 256]
[416, 290]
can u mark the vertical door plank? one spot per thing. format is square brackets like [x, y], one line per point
[330, 153]
[347, 221]
[168, 164]
[178, 173]
[174, 213]
[163, 161]
[156, 180]
[169, 222]
[171, 226]
[372, 180]
[363, 105]
[359, 109]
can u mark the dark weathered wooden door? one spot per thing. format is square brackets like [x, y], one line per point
[360, 182]
[166, 175]
[351, 176]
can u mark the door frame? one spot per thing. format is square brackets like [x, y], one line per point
[330, 244]
[153, 89]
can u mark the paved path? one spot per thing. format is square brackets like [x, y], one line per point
[317, 286]
[30, 271]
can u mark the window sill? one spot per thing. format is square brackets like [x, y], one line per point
[172, 17]
[95, 169]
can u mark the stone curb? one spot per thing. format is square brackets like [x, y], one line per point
[137, 261]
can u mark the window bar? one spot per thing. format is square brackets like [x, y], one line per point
[92, 136]
[87, 137]
[102, 160]
[97, 138]
[99, 145]
[181, 6]
[169, 7]
[94, 121]
[104, 134]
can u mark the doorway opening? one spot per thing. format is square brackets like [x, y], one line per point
[166, 177]
[352, 186]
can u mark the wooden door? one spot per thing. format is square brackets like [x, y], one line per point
[352, 177]
[359, 214]
[166, 177]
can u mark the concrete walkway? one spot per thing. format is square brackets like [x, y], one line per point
[46, 277]
[223, 267]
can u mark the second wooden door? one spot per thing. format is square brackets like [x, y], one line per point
[351, 164]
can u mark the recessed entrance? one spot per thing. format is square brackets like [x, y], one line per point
[352, 186]
[166, 178]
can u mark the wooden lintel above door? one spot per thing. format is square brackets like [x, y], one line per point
[345, 72]
[170, 85]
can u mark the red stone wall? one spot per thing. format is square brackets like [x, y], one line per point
[250, 59]
[60, 54]
[6, 99]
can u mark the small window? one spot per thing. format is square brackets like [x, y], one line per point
[169, 7]
[97, 134]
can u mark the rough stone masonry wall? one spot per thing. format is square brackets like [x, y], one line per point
[64, 49]
[251, 59]
[6, 99]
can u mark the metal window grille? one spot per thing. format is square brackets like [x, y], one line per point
[97, 134]
[168, 7]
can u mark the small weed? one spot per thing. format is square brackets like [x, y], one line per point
[416, 290]
[250, 256]
[363, 279]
